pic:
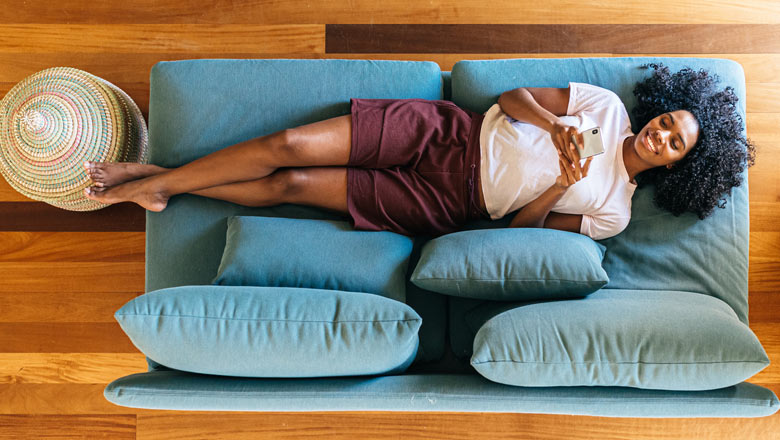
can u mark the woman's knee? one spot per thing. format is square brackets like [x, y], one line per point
[314, 186]
[324, 143]
[289, 182]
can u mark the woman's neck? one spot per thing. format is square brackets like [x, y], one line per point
[633, 163]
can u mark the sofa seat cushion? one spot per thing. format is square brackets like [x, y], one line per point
[512, 264]
[272, 331]
[317, 254]
[178, 390]
[644, 339]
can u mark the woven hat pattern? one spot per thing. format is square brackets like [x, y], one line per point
[55, 120]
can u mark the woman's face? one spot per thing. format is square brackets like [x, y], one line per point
[667, 138]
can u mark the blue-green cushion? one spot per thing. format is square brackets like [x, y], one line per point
[178, 390]
[663, 340]
[317, 254]
[272, 331]
[512, 264]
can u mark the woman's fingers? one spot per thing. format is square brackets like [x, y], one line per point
[567, 168]
[564, 146]
[577, 167]
[586, 167]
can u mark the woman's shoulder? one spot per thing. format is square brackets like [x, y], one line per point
[593, 89]
[590, 97]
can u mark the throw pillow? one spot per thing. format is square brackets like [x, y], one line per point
[272, 331]
[663, 340]
[512, 264]
[318, 254]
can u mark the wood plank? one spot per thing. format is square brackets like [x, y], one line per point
[308, 39]
[763, 306]
[768, 333]
[762, 128]
[34, 246]
[764, 216]
[539, 38]
[72, 277]
[763, 98]
[40, 216]
[765, 246]
[51, 399]
[764, 276]
[94, 368]
[90, 307]
[25, 39]
[410, 425]
[72, 426]
[391, 11]
[64, 337]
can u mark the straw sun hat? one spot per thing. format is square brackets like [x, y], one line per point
[55, 120]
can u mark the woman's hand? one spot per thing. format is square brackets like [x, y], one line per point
[561, 135]
[571, 172]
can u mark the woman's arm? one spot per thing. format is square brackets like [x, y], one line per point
[537, 214]
[542, 106]
[539, 106]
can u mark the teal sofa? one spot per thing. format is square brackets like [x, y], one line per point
[200, 106]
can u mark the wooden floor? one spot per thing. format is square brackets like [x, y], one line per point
[64, 274]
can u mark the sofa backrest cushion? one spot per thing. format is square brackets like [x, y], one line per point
[657, 251]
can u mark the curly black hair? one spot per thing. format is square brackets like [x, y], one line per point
[698, 182]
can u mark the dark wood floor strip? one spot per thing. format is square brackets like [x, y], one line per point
[553, 38]
[39, 216]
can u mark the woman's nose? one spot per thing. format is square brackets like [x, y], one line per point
[664, 135]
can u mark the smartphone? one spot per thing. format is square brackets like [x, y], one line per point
[593, 143]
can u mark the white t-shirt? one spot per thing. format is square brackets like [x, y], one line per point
[520, 162]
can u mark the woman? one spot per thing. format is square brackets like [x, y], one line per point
[428, 167]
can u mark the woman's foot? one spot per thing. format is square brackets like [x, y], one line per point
[141, 191]
[106, 174]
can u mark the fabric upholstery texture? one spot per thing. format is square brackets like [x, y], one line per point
[317, 254]
[271, 331]
[428, 392]
[644, 339]
[512, 264]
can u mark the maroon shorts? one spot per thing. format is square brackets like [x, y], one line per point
[414, 166]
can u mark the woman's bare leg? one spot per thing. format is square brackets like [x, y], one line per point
[323, 187]
[324, 143]
[106, 175]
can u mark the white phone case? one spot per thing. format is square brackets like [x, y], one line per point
[593, 143]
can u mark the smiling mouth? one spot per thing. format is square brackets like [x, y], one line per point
[648, 143]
